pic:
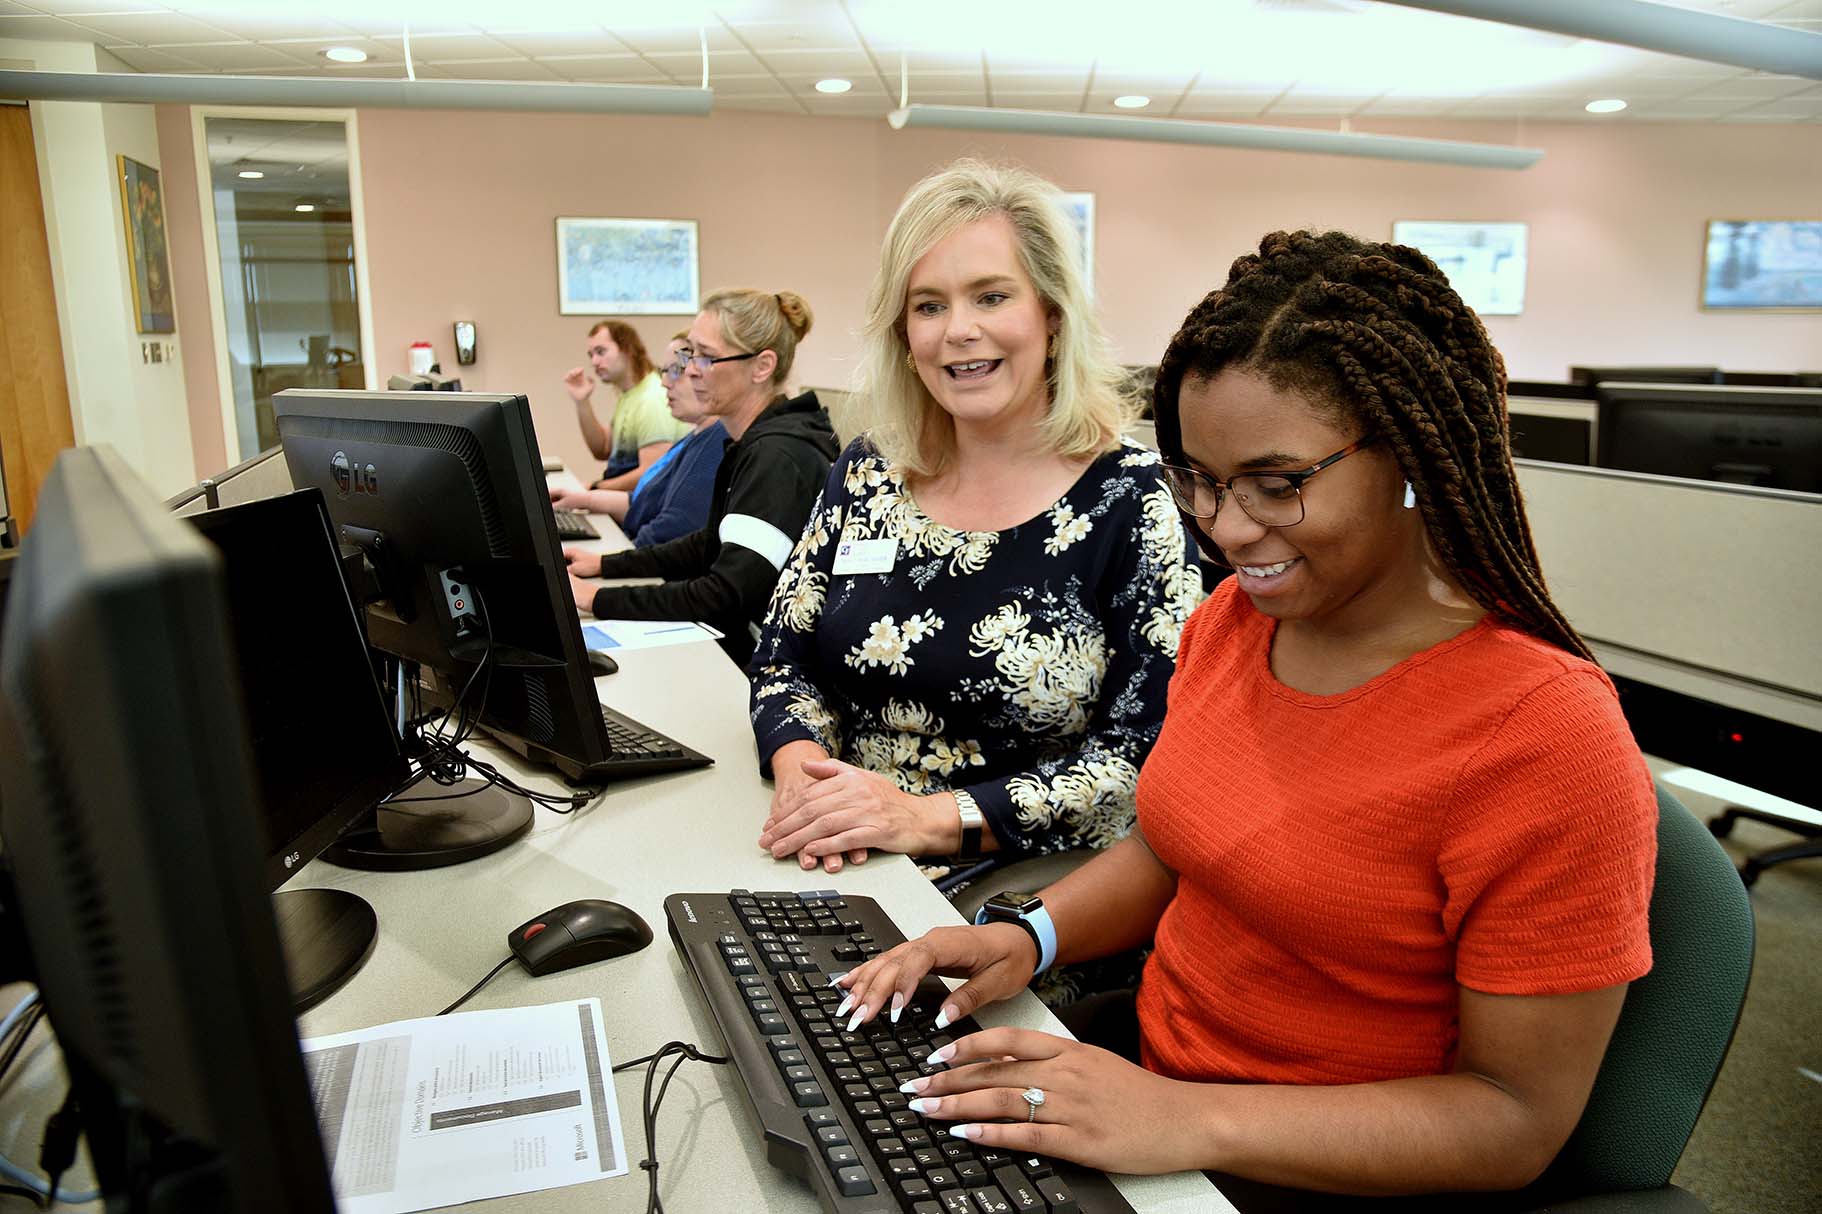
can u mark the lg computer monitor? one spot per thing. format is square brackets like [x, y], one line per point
[445, 494]
[1591, 376]
[325, 753]
[130, 834]
[1771, 437]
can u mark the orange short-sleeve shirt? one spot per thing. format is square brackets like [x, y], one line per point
[1479, 814]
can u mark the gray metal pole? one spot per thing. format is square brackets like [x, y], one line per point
[1654, 27]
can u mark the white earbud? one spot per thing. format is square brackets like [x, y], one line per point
[1410, 496]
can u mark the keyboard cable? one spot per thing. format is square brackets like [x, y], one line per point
[683, 1052]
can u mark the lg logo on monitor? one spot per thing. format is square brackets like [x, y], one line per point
[351, 477]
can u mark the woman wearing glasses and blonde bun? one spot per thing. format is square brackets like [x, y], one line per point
[969, 649]
[1395, 843]
[739, 354]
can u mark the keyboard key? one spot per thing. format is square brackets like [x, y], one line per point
[1020, 1190]
[854, 1182]
[808, 1094]
[821, 1118]
[900, 1167]
[1057, 1195]
[832, 1136]
[943, 1178]
[916, 1188]
[989, 1200]
[955, 1201]
[841, 1157]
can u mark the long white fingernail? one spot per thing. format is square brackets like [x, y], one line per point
[925, 1105]
[942, 1018]
[845, 1005]
[898, 1005]
[860, 1013]
[967, 1129]
[836, 980]
[944, 1054]
[913, 1086]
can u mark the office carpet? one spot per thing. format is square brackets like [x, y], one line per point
[1758, 1146]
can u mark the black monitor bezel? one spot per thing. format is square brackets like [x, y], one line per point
[1615, 400]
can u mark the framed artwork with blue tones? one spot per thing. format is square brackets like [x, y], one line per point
[1080, 210]
[142, 210]
[627, 267]
[1485, 262]
[1767, 265]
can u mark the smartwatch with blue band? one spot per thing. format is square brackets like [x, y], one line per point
[1026, 910]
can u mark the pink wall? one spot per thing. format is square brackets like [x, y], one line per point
[460, 212]
[190, 284]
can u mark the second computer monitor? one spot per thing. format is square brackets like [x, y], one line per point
[1770, 437]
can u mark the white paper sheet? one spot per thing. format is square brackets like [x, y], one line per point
[447, 1109]
[610, 635]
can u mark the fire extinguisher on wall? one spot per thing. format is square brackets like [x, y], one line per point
[423, 357]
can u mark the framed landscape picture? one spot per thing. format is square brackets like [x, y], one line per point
[1485, 262]
[1772, 265]
[142, 211]
[627, 267]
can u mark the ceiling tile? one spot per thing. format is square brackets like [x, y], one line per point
[152, 29]
[142, 60]
[608, 69]
[793, 35]
[1037, 82]
[500, 69]
[1754, 87]
[591, 40]
[673, 39]
[759, 104]
[721, 63]
[1068, 103]
[448, 48]
[11, 8]
[246, 56]
[72, 8]
[272, 28]
[823, 63]
[43, 29]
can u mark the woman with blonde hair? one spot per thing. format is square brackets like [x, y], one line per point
[739, 356]
[969, 648]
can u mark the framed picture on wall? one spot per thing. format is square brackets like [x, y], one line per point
[627, 267]
[1768, 265]
[1485, 262]
[142, 211]
[1080, 209]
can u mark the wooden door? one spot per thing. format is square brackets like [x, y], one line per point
[34, 396]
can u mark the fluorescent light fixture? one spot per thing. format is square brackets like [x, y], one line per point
[251, 174]
[834, 84]
[304, 206]
[345, 54]
[1220, 134]
[523, 95]
[1132, 101]
[1655, 27]
[1607, 105]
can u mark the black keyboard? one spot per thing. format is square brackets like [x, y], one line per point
[574, 525]
[639, 750]
[827, 1101]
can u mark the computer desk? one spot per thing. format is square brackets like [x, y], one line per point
[442, 929]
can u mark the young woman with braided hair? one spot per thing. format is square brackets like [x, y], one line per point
[1395, 841]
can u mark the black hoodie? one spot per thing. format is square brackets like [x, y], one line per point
[723, 574]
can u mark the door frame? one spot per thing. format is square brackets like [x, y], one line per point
[211, 245]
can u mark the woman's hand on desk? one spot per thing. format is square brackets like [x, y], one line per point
[848, 809]
[789, 784]
[1098, 1109]
[997, 959]
[582, 564]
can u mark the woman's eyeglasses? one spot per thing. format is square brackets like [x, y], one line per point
[703, 362]
[1271, 499]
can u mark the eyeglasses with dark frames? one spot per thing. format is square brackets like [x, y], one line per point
[1271, 499]
[702, 362]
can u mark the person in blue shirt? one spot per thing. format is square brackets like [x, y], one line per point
[672, 498]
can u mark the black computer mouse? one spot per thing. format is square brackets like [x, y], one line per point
[577, 933]
[599, 664]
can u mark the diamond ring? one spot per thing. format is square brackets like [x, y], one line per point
[1033, 1098]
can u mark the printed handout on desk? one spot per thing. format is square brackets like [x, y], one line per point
[447, 1109]
[644, 634]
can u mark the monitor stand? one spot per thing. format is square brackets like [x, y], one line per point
[327, 935]
[430, 825]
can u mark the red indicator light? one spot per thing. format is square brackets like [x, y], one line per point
[1737, 737]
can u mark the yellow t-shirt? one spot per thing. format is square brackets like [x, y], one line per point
[642, 416]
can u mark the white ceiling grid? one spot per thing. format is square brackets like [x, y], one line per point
[1207, 59]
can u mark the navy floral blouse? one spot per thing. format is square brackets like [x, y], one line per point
[1027, 666]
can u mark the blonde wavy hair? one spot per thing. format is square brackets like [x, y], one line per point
[1088, 409]
[762, 320]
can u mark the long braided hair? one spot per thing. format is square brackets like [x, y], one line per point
[1376, 331]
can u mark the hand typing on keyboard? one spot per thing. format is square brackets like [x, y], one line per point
[1027, 1092]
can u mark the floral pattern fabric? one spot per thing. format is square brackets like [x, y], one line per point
[1028, 666]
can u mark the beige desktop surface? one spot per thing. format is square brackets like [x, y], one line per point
[442, 929]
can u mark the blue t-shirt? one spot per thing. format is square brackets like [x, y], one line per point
[673, 496]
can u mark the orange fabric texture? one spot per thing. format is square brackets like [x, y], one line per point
[1479, 814]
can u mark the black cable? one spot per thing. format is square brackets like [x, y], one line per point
[15, 1190]
[684, 1052]
[58, 1152]
[20, 1036]
[476, 988]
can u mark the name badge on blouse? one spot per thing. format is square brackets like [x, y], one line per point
[865, 556]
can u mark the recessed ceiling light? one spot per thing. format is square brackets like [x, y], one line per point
[1609, 105]
[1132, 101]
[345, 54]
[251, 174]
[304, 206]
[834, 84]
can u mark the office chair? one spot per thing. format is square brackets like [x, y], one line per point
[1672, 1036]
